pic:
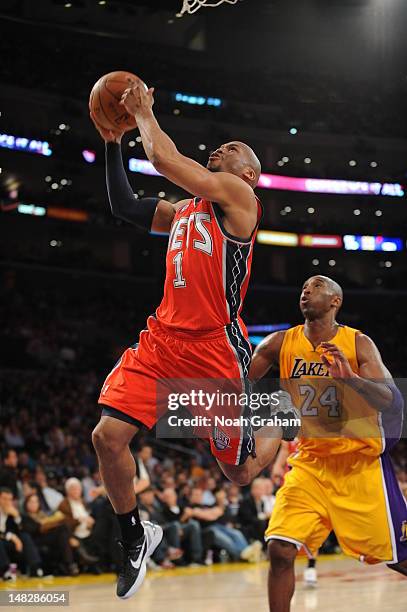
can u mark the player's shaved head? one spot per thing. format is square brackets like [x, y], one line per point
[320, 294]
[334, 287]
[252, 160]
[237, 158]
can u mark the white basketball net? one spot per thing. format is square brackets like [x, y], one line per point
[191, 6]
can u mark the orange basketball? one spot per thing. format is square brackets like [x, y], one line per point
[105, 97]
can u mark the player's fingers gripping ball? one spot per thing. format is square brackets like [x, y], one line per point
[137, 98]
[105, 98]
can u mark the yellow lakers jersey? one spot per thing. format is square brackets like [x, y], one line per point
[335, 418]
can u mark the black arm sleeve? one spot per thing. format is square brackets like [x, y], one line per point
[121, 197]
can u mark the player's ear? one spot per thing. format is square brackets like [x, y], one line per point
[249, 175]
[336, 302]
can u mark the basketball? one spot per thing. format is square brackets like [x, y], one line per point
[105, 97]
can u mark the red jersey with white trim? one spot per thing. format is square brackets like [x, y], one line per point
[208, 270]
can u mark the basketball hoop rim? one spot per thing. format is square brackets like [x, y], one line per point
[190, 7]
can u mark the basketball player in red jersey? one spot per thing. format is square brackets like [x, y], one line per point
[197, 331]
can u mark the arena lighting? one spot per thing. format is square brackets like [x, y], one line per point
[313, 185]
[31, 209]
[267, 329]
[197, 100]
[320, 241]
[20, 143]
[306, 185]
[89, 156]
[255, 340]
[68, 214]
[142, 166]
[317, 241]
[372, 243]
[277, 238]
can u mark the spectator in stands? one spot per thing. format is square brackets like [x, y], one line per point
[151, 510]
[216, 530]
[209, 486]
[25, 461]
[30, 487]
[254, 512]
[146, 456]
[268, 499]
[15, 544]
[142, 477]
[92, 487]
[51, 535]
[9, 473]
[106, 522]
[51, 496]
[234, 496]
[80, 522]
[185, 535]
[12, 434]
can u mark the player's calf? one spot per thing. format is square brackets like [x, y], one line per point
[281, 582]
[111, 438]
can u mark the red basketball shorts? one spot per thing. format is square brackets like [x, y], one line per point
[163, 354]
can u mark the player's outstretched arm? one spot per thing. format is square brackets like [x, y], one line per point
[146, 214]
[228, 190]
[266, 355]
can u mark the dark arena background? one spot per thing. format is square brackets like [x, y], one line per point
[318, 88]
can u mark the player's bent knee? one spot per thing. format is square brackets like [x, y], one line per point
[281, 554]
[105, 443]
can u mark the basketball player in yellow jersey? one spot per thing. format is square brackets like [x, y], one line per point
[341, 477]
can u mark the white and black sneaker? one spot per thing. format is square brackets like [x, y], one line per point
[310, 577]
[135, 557]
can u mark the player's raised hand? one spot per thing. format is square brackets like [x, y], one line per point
[107, 135]
[335, 361]
[138, 100]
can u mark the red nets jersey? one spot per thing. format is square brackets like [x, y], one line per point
[208, 270]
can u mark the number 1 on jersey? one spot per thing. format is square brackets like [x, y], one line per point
[179, 280]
